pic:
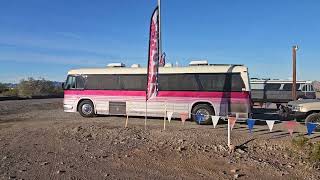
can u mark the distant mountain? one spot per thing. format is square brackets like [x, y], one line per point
[11, 85]
[57, 84]
[14, 85]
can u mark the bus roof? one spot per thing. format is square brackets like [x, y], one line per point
[163, 70]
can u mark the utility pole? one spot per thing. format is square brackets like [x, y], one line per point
[294, 72]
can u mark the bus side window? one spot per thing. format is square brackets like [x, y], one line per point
[304, 88]
[311, 88]
[273, 87]
[80, 81]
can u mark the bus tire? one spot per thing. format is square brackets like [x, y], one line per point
[204, 109]
[86, 108]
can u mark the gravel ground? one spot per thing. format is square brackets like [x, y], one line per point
[40, 141]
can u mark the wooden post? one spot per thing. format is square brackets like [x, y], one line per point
[165, 116]
[229, 137]
[126, 124]
[145, 119]
[294, 72]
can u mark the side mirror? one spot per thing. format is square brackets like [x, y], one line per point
[62, 85]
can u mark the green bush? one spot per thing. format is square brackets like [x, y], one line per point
[10, 92]
[2, 88]
[33, 87]
[300, 142]
[30, 87]
[312, 150]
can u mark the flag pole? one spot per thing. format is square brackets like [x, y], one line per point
[160, 41]
[126, 124]
[165, 116]
[145, 119]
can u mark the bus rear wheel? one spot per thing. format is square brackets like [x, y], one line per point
[86, 108]
[204, 109]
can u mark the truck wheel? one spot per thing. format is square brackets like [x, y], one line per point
[205, 110]
[86, 108]
[313, 118]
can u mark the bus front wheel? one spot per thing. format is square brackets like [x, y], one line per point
[86, 108]
[204, 109]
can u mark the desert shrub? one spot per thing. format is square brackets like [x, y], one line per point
[58, 90]
[2, 87]
[10, 92]
[315, 153]
[33, 87]
[312, 150]
[300, 142]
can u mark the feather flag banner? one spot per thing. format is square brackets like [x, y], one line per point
[162, 60]
[270, 124]
[153, 60]
[311, 127]
[153, 57]
[215, 120]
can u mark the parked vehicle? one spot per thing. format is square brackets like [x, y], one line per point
[279, 91]
[198, 88]
[305, 109]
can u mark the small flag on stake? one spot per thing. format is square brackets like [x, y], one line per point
[250, 123]
[290, 126]
[215, 120]
[232, 122]
[311, 127]
[270, 124]
[200, 118]
[183, 116]
[169, 115]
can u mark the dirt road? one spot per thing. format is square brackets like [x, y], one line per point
[39, 141]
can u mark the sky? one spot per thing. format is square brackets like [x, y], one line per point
[45, 38]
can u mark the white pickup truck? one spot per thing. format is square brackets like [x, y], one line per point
[305, 109]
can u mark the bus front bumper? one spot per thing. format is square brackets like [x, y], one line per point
[68, 108]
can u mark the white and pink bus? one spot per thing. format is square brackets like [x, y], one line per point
[208, 89]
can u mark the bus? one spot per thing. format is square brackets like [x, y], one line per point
[279, 91]
[208, 89]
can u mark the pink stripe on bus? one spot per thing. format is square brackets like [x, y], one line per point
[203, 94]
[198, 94]
[105, 92]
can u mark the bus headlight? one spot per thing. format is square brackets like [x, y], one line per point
[67, 107]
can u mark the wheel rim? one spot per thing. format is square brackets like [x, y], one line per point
[205, 113]
[315, 119]
[86, 109]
